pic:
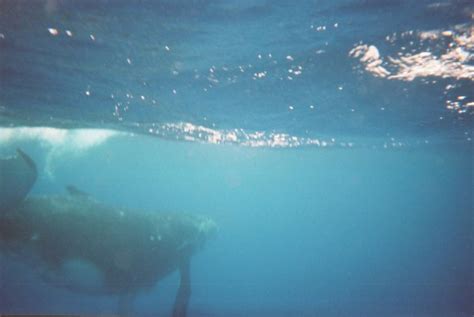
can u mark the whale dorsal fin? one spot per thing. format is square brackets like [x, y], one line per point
[74, 191]
[18, 174]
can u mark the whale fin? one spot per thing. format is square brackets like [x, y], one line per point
[74, 191]
[184, 291]
[18, 174]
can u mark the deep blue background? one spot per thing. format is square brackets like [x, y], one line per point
[302, 232]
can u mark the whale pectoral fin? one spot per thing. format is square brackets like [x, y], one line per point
[31, 164]
[17, 176]
[125, 304]
[184, 292]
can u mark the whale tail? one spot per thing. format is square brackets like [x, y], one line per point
[18, 174]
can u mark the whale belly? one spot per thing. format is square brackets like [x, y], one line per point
[78, 275]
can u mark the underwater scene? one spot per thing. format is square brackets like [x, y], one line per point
[237, 158]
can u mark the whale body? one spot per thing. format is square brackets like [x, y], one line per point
[119, 251]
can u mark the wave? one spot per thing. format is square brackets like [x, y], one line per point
[449, 55]
[191, 132]
[79, 140]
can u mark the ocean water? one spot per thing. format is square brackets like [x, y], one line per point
[331, 141]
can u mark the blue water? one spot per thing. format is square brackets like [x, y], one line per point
[337, 193]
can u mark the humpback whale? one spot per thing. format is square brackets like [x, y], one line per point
[129, 250]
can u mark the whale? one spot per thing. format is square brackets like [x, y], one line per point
[117, 251]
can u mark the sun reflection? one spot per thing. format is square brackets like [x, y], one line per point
[453, 61]
[53, 31]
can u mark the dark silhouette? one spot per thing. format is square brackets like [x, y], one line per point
[130, 249]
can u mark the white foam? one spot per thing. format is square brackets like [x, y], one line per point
[73, 140]
[60, 142]
[57, 142]
[454, 62]
[197, 133]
